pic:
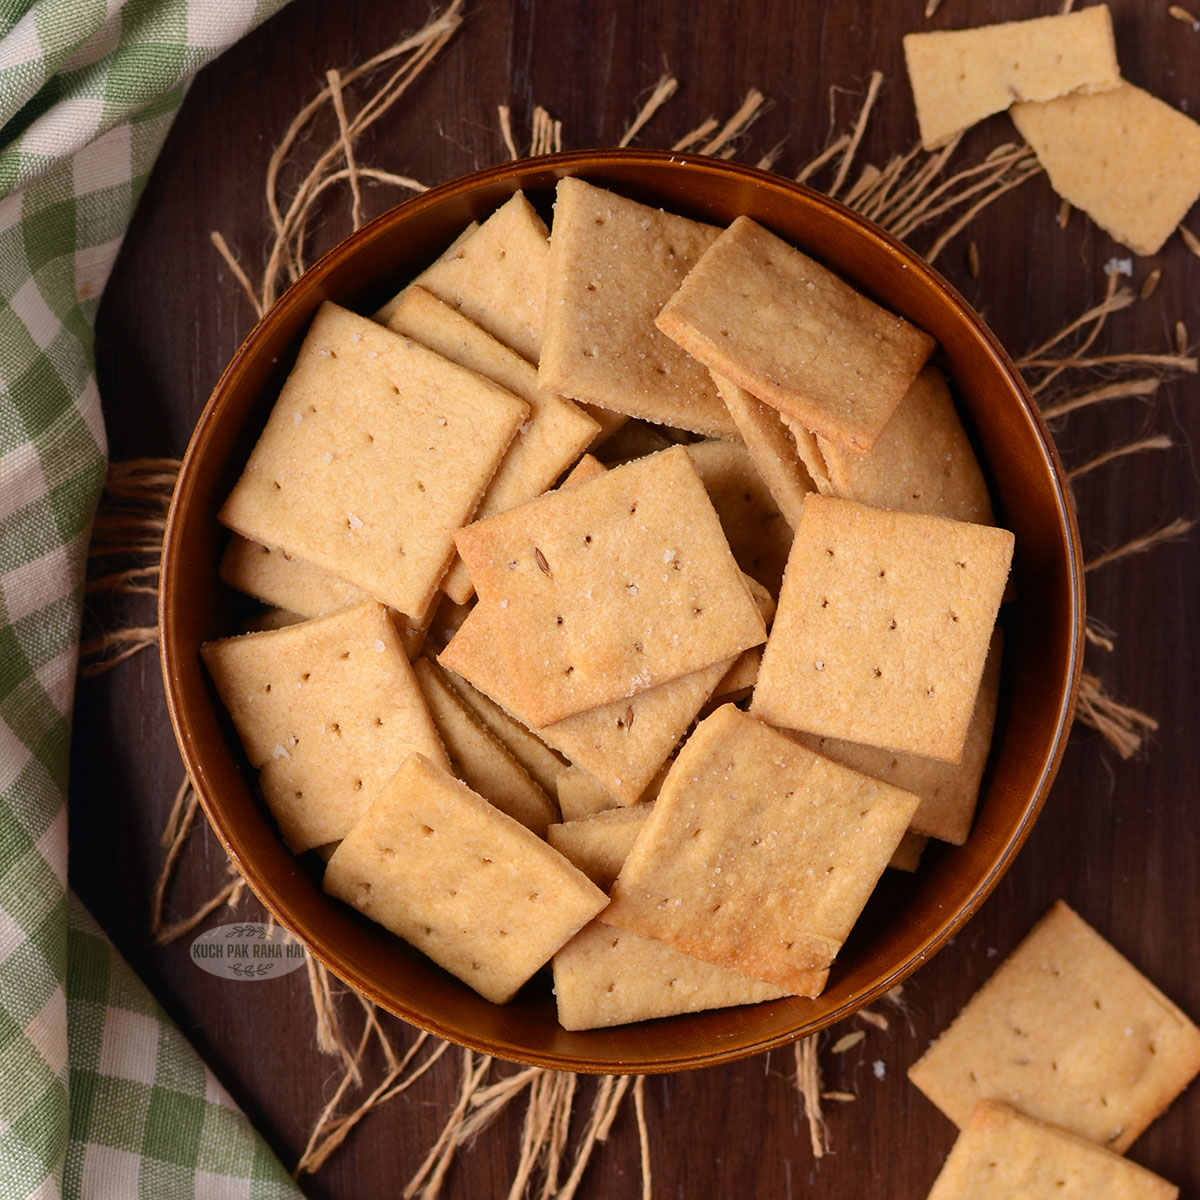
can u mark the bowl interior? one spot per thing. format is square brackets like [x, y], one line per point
[909, 917]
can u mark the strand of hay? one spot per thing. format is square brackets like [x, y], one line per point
[664, 89]
[1146, 385]
[808, 1085]
[1122, 726]
[609, 1096]
[860, 127]
[1139, 545]
[639, 1106]
[1157, 442]
[179, 824]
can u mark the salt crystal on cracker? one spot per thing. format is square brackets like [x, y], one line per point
[1129, 161]
[1001, 1154]
[883, 627]
[327, 709]
[960, 76]
[758, 855]
[1067, 1031]
[394, 447]
[792, 333]
[463, 882]
[613, 264]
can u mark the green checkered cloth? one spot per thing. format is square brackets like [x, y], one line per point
[100, 1095]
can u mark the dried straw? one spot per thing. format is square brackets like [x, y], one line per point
[808, 1084]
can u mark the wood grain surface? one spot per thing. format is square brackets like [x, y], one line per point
[1120, 841]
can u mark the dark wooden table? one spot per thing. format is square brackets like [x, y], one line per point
[1120, 841]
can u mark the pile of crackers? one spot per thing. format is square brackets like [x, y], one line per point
[1054, 1068]
[636, 589]
[1126, 158]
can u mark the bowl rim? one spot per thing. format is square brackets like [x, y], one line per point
[577, 163]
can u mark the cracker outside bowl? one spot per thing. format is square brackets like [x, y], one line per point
[910, 918]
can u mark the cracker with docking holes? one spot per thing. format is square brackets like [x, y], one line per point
[478, 758]
[961, 76]
[281, 579]
[948, 791]
[608, 588]
[883, 627]
[764, 315]
[549, 442]
[613, 264]
[758, 854]
[921, 462]
[1130, 161]
[376, 451]
[1067, 1031]
[463, 882]
[496, 276]
[1001, 1154]
[326, 709]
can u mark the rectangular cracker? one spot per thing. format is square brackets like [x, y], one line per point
[375, 452]
[771, 446]
[480, 759]
[921, 462]
[552, 438]
[327, 709]
[1131, 162]
[883, 627]
[613, 264]
[948, 791]
[276, 577]
[1068, 1031]
[809, 449]
[758, 535]
[466, 884]
[605, 976]
[599, 843]
[961, 76]
[611, 587]
[622, 744]
[758, 854]
[496, 277]
[763, 314]
[1002, 1153]
[542, 764]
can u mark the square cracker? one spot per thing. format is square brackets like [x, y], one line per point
[1001, 1154]
[765, 315]
[613, 264]
[758, 535]
[553, 437]
[327, 709]
[463, 882]
[948, 791]
[1070, 1032]
[623, 743]
[582, 795]
[496, 276]
[758, 854]
[605, 976]
[376, 451]
[1131, 162]
[883, 627]
[771, 446]
[608, 588]
[921, 462]
[480, 759]
[960, 76]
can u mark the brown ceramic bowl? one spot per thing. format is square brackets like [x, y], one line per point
[909, 918]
